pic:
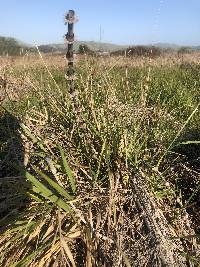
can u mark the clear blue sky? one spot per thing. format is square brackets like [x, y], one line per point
[122, 21]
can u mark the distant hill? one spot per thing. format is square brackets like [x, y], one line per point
[106, 47]
[175, 47]
[95, 46]
[12, 46]
[167, 45]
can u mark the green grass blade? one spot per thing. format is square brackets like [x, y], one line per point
[32, 137]
[29, 258]
[55, 185]
[178, 134]
[68, 170]
[45, 192]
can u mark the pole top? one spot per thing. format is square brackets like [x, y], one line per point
[70, 17]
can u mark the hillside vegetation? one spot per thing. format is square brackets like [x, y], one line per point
[95, 46]
[13, 47]
[10, 46]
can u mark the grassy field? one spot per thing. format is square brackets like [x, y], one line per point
[69, 164]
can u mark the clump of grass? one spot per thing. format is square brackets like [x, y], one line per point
[82, 159]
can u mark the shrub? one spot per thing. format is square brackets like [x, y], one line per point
[140, 51]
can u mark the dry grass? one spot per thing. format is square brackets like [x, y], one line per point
[168, 59]
[103, 184]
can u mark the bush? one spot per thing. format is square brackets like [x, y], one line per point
[9, 46]
[84, 49]
[140, 51]
[184, 50]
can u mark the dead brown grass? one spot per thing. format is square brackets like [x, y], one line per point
[56, 60]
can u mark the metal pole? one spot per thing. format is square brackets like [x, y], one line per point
[70, 19]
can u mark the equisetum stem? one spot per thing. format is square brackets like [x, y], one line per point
[70, 75]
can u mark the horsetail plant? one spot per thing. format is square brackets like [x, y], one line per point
[70, 19]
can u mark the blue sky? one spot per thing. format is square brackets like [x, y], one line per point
[122, 22]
